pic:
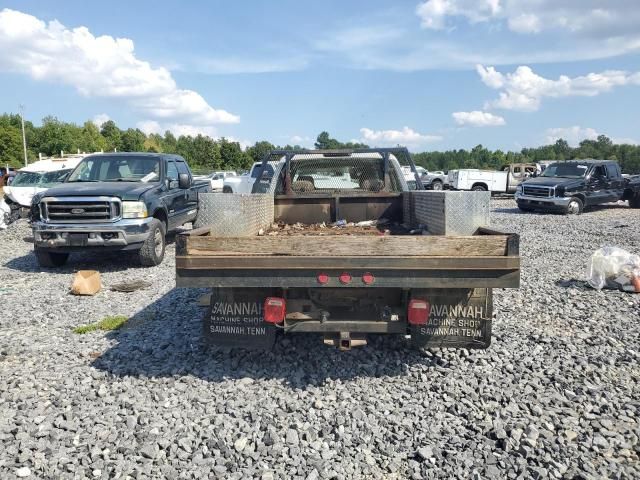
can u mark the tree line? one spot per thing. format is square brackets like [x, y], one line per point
[204, 153]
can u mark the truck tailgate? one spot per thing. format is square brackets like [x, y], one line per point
[489, 259]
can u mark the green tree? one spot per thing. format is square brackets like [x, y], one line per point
[259, 150]
[133, 140]
[11, 146]
[325, 142]
[90, 138]
[112, 135]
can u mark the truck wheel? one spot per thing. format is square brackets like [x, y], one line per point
[634, 202]
[51, 259]
[479, 188]
[575, 206]
[227, 190]
[152, 251]
[436, 185]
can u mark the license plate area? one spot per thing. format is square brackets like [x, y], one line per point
[78, 239]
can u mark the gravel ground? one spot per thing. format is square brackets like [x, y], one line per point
[556, 395]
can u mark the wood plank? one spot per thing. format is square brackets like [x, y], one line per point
[408, 279]
[338, 263]
[351, 246]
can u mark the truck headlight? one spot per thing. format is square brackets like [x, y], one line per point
[519, 189]
[134, 210]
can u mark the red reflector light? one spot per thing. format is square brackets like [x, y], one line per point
[274, 309]
[323, 278]
[345, 278]
[418, 312]
[368, 278]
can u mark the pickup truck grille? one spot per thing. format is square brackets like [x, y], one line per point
[537, 191]
[80, 209]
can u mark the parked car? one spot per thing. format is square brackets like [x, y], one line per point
[504, 181]
[244, 183]
[569, 187]
[216, 179]
[115, 201]
[36, 178]
[430, 180]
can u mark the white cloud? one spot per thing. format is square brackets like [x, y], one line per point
[101, 118]
[525, 23]
[406, 136]
[101, 66]
[228, 66]
[478, 119]
[433, 13]
[524, 89]
[596, 18]
[575, 134]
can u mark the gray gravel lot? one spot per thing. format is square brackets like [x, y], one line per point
[556, 395]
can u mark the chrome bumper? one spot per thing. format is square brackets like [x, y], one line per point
[117, 234]
[543, 201]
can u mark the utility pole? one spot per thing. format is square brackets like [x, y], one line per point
[24, 137]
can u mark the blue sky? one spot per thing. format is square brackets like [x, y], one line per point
[430, 74]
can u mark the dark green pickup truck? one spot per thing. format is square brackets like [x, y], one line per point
[115, 201]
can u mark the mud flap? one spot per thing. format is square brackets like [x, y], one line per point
[234, 319]
[458, 318]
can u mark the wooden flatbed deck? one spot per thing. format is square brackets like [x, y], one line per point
[488, 259]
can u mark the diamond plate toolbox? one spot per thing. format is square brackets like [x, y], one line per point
[235, 214]
[450, 213]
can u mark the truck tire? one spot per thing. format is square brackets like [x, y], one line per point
[51, 259]
[634, 202]
[152, 251]
[575, 206]
[479, 188]
[436, 185]
[226, 189]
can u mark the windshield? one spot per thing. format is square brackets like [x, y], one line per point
[26, 178]
[566, 170]
[35, 179]
[121, 168]
[322, 175]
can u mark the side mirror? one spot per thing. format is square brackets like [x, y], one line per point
[184, 181]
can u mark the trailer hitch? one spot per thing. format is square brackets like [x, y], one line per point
[344, 341]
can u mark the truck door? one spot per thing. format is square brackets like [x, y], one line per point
[616, 182]
[597, 186]
[516, 175]
[190, 204]
[175, 199]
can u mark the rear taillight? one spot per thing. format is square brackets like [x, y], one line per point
[345, 278]
[275, 309]
[323, 278]
[368, 278]
[418, 312]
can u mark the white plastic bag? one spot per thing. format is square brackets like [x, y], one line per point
[5, 211]
[613, 267]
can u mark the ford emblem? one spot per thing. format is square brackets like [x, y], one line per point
[77, 211]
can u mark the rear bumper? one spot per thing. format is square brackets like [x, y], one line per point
[543, 203]
[123, 234]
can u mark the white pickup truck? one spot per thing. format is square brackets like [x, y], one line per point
[244, 183]
[504, 181]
